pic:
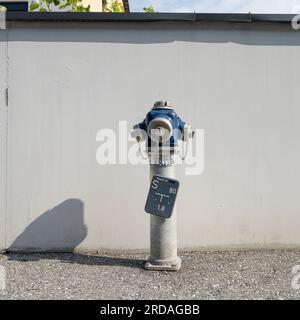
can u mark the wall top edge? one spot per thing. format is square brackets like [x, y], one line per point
[146, 17]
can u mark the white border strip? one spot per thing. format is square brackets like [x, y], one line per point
[2, 278]
[2, 18]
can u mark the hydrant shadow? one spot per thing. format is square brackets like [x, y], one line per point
[111, 261]
[56, 233]
[76, 258]
[60, 228]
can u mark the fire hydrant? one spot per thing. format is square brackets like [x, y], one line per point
[162, 129]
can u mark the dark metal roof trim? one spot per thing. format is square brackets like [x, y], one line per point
[147, 17]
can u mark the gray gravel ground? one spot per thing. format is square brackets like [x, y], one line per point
[204, 275]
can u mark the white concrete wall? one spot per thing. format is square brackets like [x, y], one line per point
[240, 83]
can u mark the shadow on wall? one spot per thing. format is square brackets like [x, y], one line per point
[61, 228]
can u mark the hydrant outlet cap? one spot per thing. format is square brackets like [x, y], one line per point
[162, 104]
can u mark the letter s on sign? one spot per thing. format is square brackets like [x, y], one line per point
[154, 184]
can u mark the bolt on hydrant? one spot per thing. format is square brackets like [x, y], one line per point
[162, 129]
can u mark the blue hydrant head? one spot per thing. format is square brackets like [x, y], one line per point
[162, 127]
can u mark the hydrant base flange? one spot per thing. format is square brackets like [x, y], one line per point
[164, 265]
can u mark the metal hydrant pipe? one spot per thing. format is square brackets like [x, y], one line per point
[163, 232]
